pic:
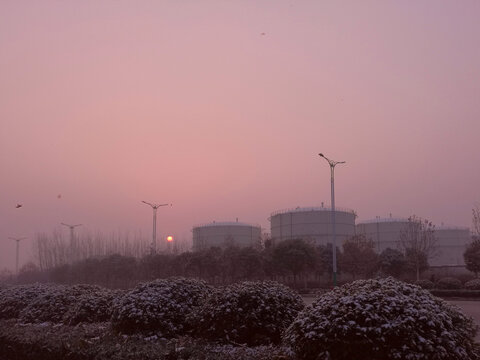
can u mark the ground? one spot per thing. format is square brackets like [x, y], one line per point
[471, 308]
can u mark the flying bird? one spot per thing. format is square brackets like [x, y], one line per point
[18, 206]
[59, 196]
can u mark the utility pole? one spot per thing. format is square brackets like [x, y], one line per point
[18, 251]
[73, 246]
[153, 248]
[332, 181]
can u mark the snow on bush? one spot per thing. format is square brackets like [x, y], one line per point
[448, 283]
[93, 306]
[14, 299]
[249, 312]
[160, 305]
[54, 304]
[382, 319]
[473, 284]
[425, 284]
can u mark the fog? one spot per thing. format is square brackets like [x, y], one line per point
[221, 109]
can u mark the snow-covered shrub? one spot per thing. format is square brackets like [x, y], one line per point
[249, 312]
[14, 299]
[161, 305]
[425, 284]
[382, 319]
[53, 305]
[448, 283]
[473, 284]
[94, 305]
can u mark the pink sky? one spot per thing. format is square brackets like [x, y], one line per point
[221, 108]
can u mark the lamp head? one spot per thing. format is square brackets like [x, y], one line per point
[321, 155]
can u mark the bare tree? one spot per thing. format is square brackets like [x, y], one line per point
[472, 252]
[472, 257]
[51, 251]
[476, 221]
[418, 241]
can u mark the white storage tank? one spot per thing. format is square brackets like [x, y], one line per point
[313, 224]
[223, 234]
[384, 232]
[451, 243]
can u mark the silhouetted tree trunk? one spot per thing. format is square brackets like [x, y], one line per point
[418, 240]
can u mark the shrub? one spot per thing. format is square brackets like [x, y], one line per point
[473, 284]
[93, 306]
[464, 277]
[14, 299]
[425, 284]
[448, 283]
[249, 312]
[54, 304]
[160, 305]
[382, 319]
[456, 293]
[229, 352]
[97, 341]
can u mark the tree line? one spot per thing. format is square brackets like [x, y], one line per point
[295, 262]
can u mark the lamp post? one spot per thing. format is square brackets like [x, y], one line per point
[18, 251]
[73, 246]
[154, 235]
[332, 180]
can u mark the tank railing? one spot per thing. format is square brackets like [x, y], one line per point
[405, 220]
[382, 220]
[313, 208]
[226, 223]
[450, 227]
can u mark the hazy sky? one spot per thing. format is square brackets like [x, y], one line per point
[221, 107]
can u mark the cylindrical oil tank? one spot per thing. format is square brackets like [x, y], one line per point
[223, 234]
[451, 243]
[313, 224]
[384, 232]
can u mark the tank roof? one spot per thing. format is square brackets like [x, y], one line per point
[313, 208]
[383, 220]
[226, 223]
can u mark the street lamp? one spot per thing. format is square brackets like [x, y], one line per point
[154, 235]
[18, 250]
[73, 246]
[334, 251]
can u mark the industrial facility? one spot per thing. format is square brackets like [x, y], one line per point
[451, 241]
[384, 232]
[313, 224]
[223, 234]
